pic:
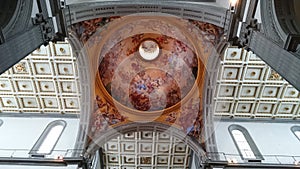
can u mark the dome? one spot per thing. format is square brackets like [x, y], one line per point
[147, 84]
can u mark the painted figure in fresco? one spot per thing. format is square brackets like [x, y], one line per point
[105, 115]
[144, 91]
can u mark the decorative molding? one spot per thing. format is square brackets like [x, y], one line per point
[20, 20]
[200, 12]
[86, 102]
[128, 130]
[269, 24]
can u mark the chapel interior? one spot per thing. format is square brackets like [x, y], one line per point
[162, 84]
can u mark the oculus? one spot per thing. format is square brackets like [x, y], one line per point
[149, 50]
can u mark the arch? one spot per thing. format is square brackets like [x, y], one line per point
[20, 17]
[244, 143]
[280, 18]
[49, 138]
[287, 14]
[7, 10]
[86, 101]
[111, 133]
[269, 23]
[296, 131]
[210, 121]
[212, 62]
[196, 11]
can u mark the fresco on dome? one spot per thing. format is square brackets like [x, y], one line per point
[86, 29]
[128, 87]
[150, 85]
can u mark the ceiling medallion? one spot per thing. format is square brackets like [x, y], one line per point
[274, 76]
[20, 67]
[149, 50]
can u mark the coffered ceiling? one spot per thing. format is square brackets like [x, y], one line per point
[248, 87]
[146, 150]
[46, 81]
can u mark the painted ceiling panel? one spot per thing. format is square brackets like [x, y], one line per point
[130, 89]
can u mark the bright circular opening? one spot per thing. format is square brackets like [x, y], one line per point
[149, 50]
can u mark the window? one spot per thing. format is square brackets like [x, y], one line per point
[48, 138]
[296, 131]
[244, 143]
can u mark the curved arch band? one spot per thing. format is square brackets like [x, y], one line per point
[151, 126]
[195, 11]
